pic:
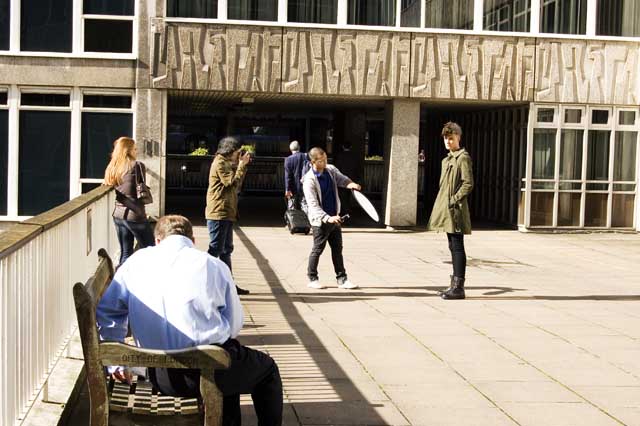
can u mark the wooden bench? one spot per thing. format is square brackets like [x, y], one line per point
[139, 397]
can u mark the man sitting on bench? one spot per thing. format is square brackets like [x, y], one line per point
[175, 296]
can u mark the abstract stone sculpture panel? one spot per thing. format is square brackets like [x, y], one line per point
[596, 72]
[205, 57]
[474, 68]
[331, 62]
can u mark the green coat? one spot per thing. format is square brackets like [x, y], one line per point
[451, 210]
[222, 195]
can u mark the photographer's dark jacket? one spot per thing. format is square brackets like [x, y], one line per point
[451, 210]
[224, 183]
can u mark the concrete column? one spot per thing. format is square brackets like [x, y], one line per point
[400, 196]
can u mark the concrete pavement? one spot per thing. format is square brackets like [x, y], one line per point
[549, 334]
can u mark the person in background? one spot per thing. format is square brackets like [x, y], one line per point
[451, 209]
[320, 186]
[129, 215]
[222, 198]
[293, 170]
[174, 296]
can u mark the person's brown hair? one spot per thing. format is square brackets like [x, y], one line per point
[315, 153]
[173, 224]
[122, 159]
[451, 128]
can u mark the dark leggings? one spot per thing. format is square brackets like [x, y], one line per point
[458, 256]
[128, 232]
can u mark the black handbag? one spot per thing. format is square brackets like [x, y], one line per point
[143, 192]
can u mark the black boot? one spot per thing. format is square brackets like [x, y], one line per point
[242, 291]
[441, 292]
[457, 291]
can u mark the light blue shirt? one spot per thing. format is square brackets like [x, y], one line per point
[174, 296]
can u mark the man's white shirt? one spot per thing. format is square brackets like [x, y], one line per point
[174, 296]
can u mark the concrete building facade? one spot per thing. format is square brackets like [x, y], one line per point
[547, 92]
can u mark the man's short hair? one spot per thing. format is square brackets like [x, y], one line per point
[451, 128]
[316, 153]
[294, 146]
[228, 146]
[173, 224]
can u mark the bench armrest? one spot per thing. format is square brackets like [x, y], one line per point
[203, 357]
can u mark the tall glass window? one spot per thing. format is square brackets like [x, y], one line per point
[4, 24]
[618, 18]
[507, 15]
[46, 25]
[103, 18]
[454, 14]
[43, 178]
[313, 11]
[410, 13]
[563, 16]
[192, 8]
[372, 12]
[103, 121]
[4, 152]
[253, 10]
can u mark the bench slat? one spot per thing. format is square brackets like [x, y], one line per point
[198, 357]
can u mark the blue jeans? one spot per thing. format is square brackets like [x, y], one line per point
[221, 240]
[128, 232]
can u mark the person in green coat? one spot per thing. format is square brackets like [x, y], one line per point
[451, 211]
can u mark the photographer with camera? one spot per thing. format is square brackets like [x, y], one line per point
[320, 185]
[222, 198]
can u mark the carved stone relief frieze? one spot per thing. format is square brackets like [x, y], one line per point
[474, 68]
[587, 72]
[331, 62]
[205, 57]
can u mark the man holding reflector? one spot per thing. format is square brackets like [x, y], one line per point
[320, 185]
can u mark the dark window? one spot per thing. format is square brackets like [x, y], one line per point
[44, 99]
[372, 12]
[192, 8]
[99, 130]
[99, 36]
[4, 159]
[454, 14]
[410, 13]
[43, 179]
[253, 10]
[507, 15]
[563, 16]
[618, 18]
[108, 7]
[3, 98]
[46, 25]
[4, 24]
[626, 117]
[599, 116]
[106, 101]
[88, 187]
[313, 11]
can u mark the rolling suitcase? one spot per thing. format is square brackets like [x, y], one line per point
[297, 221]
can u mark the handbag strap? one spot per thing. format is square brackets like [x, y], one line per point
[139, 174]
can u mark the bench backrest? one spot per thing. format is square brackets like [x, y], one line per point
[99, 354]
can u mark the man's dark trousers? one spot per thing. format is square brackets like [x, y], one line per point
[332, 234]
[251, 372]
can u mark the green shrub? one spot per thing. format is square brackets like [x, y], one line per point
[200, 151]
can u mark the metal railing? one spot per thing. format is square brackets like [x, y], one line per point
[40, 259]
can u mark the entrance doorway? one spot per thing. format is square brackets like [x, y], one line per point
[496, 139]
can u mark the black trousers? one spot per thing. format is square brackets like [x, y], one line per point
[332, 234]
[458, 255]
[128, 232]
[251, 372]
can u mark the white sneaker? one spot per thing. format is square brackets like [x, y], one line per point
[315, 284]
[345, 284]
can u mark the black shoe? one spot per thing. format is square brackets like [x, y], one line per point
[441, 292]
[242, 291]
[456, 292]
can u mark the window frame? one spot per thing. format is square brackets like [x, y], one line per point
[586, 125]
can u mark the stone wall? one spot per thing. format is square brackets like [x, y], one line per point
[394, 64]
